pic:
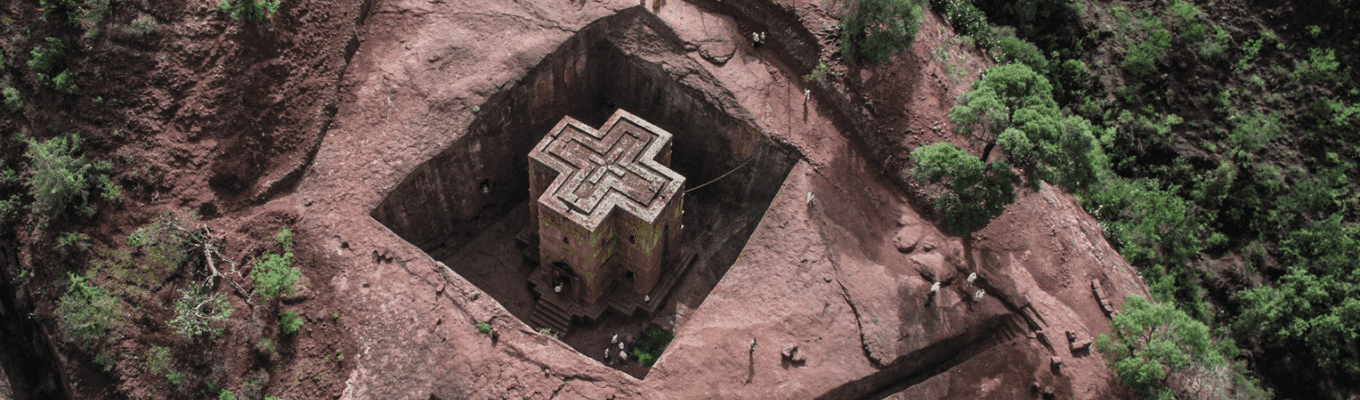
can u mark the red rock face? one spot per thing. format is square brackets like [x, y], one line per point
[875, 307]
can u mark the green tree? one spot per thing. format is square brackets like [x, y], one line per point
[1314, 309]
[874, 30]
[1151, 343]
[978, 192]
[1011, 107]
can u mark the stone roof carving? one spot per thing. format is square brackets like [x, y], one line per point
[614, 166]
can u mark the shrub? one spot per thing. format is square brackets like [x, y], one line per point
[1249, 51]
[12, 100]
[289, 322]
[45, 58]
[648, 348]
[266, 347]
[250, 10]
[967, 19]
[484, 327]
[86, 312]
[196, 310]
[874, 30]
[143, 25]
[1182, 12]
[818, 73]
[275, 275]
[1254, 131]
[1141, 58]
[59, 176]
[226, 394]
[63, 82]
[1321, 67]
[158, 360]
[1148, 224]
[77, 240]
[1012, 50]
[284, 238]
[165, 242]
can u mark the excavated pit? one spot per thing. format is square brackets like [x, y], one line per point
[465, 206]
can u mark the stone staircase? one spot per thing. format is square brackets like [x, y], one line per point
[1013, 328]
[549, 315]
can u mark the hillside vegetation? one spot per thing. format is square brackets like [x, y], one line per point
[1224, 172]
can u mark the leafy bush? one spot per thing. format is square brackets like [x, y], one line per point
[289, 322]
[648, 348]
[226, 394]
[874, 30]
[1252, 132]
[63, 82]
[12, 100]
[484, 327]
[174, 377]
[284, 238]
[77, 240]
[1321, 67]
[1309, 199]
[1251, 49]
[275, 275]
[158, 360]
[1151, 227]
[1315, 308]
[1151, 344]
[1011, 49]
[45, 58]
[1216, 46]
[818, 73]
[86, 312]
[1141, 59]
[165, 242]
[60, 177]
[250, 10]
[967, 19]
[1182, 12]
[143, 25]
[266, 347]
[196, 310]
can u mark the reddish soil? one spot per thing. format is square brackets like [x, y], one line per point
[839, 265]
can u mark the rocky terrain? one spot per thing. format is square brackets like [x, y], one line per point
[313, 119]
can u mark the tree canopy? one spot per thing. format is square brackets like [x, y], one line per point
[1013, 107]
[1315, 307]
[874, 30]
[978, 192]
[1150, 342]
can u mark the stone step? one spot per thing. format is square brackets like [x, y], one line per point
[542, 320]
[551, 316]
[556, 316]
